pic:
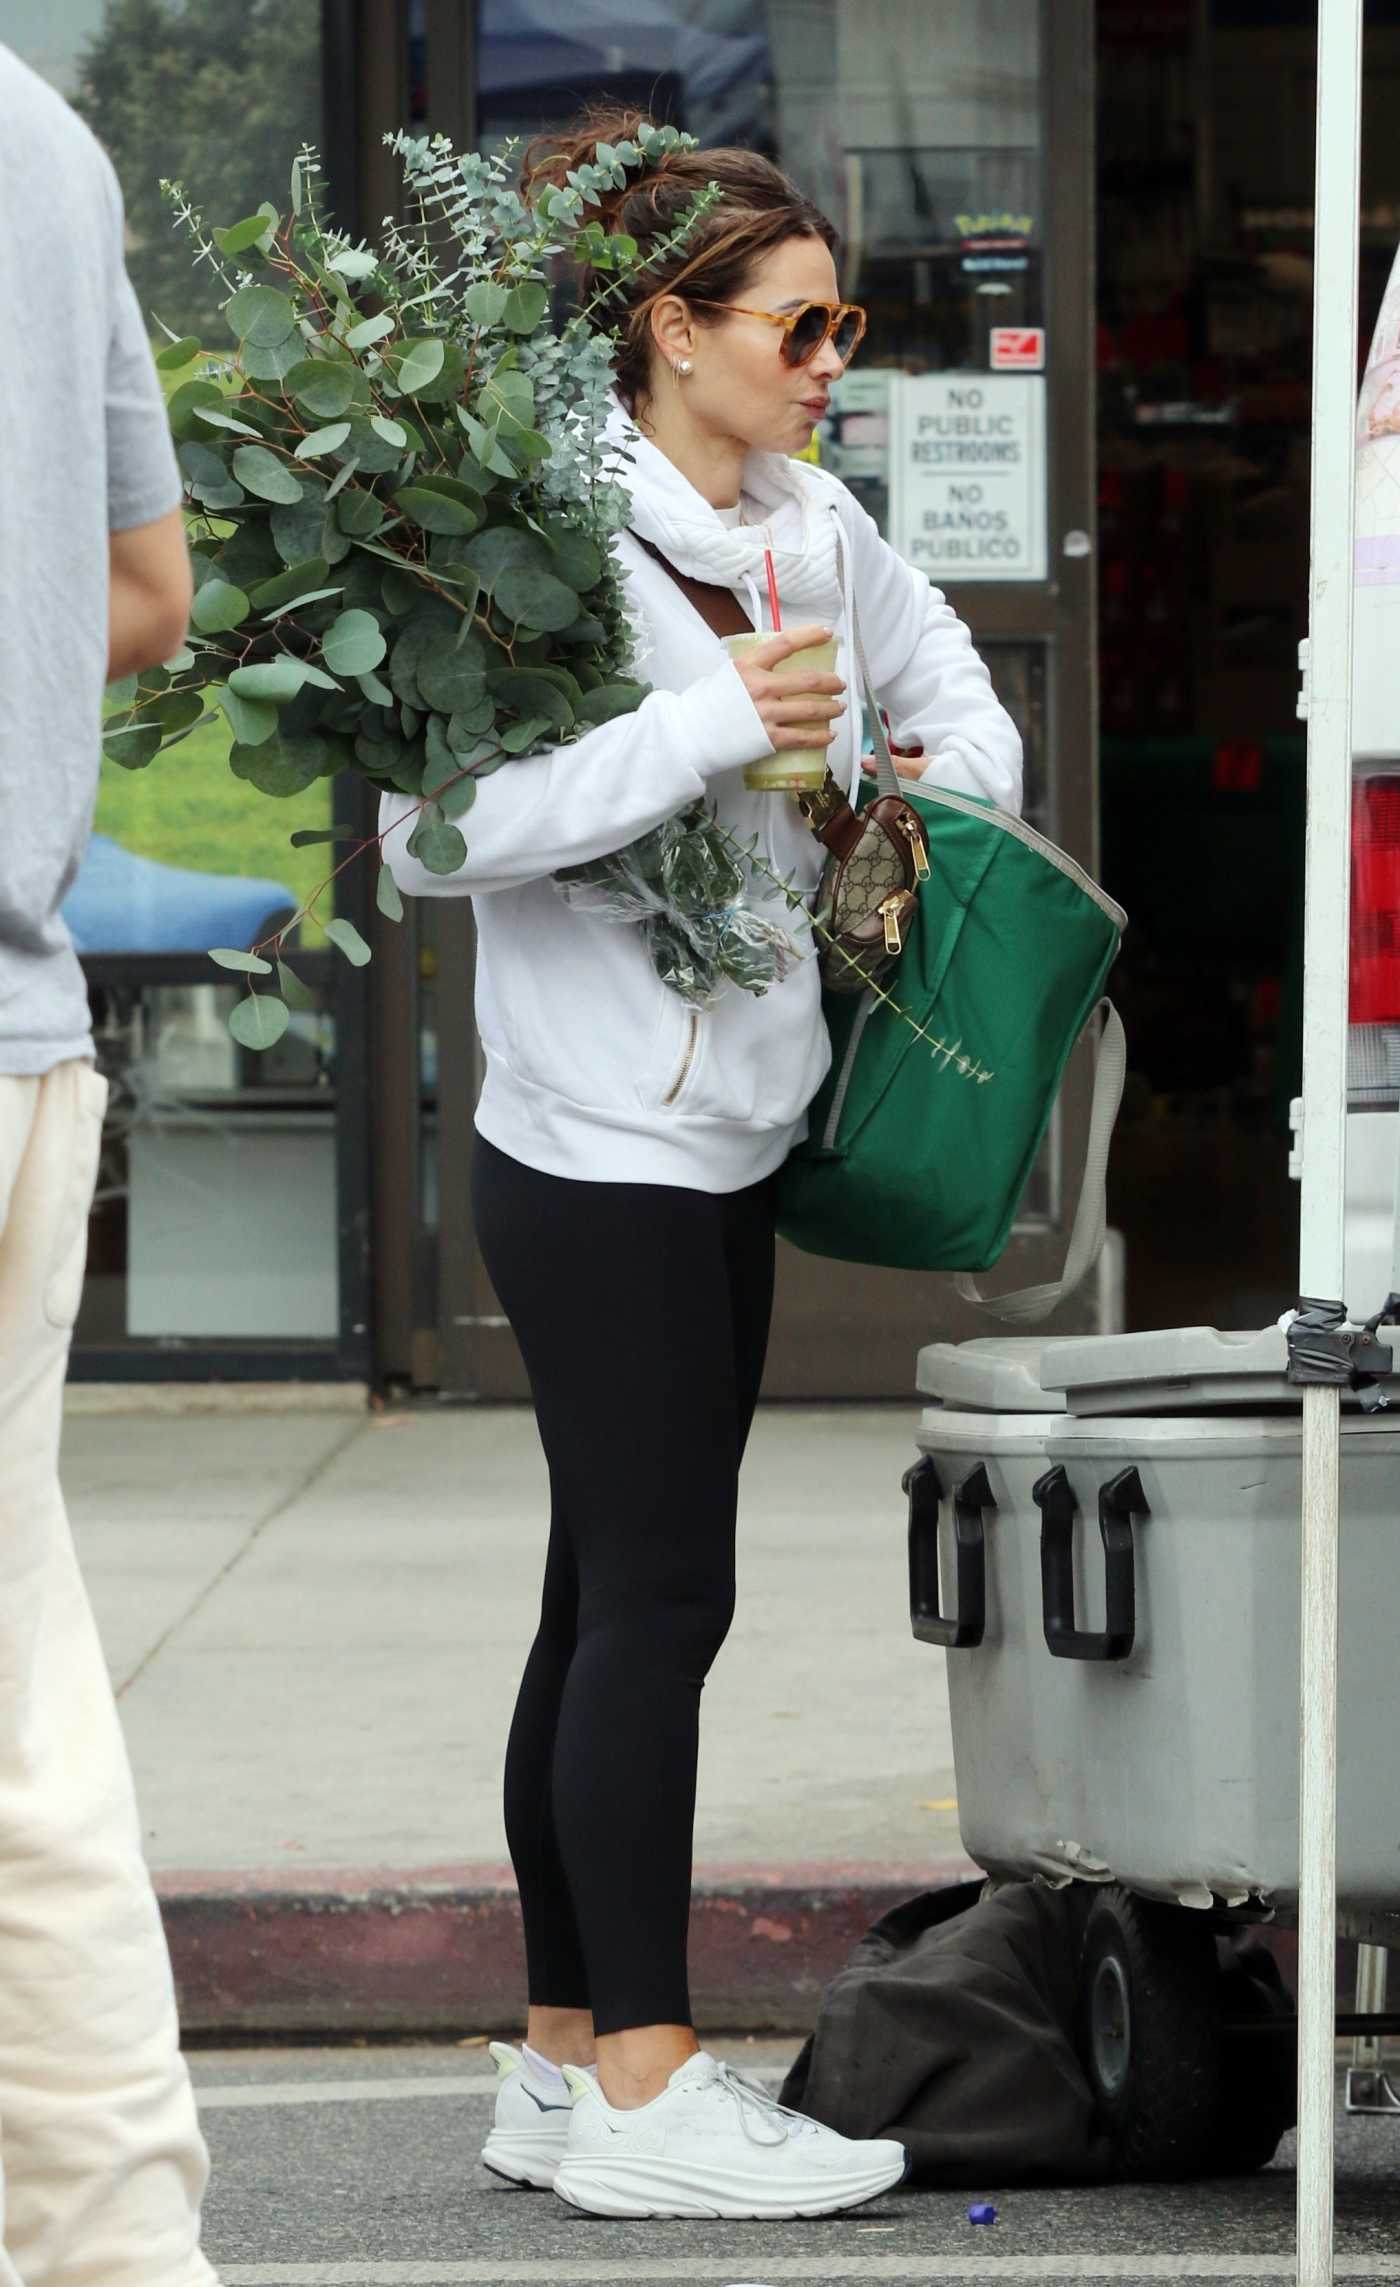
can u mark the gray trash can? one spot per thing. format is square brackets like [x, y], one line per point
[1104, 1534]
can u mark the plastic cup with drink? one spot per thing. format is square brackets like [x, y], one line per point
[794, 769]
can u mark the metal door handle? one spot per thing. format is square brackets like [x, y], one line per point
[1119, 1502]
[970, 1500]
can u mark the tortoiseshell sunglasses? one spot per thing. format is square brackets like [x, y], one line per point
[805, 329]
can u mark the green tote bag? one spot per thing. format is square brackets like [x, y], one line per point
[923, 1136]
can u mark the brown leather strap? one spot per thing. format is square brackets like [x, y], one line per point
[720, 608]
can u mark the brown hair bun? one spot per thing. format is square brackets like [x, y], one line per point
[757, 209]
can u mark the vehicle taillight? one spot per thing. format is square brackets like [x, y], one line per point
[1373, 1040]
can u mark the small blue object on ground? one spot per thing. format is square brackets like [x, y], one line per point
[982, 2212]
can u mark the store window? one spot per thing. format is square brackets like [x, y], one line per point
[216, 1211]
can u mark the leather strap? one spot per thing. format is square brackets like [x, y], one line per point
[719, 607]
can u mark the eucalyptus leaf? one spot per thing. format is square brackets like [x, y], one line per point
[270, 363]
[485, 303]
[323, 386]
[284, 587]
[535, 599]
[250, 964]
[387, 895]
[438, 847]
[506, 547]
[575, 558]
[344, 934]
[419, 363]
[301, 602]
[326, 440]
[527, 694]
[354, 644]
[518, 738]
[280, 766]
[436, 511]
[525, 307]
[379, 694]
[184, 402]
[218, 606]
[241, 235]
[177, 353]
[359, 514]
[370, 330]
[176, 711]
[132, 744]
[258, 1022]
[373, 452]
[467, 724]
[451, 673]
[298, 528]
[218, 419]
[260, 315]
[251, 720]
[293, 991]
[354, 262]
[393, 432]
[609, 700]
[272, 680]
[263, 474]
[488, 450]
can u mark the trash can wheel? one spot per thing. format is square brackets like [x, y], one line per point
[1151, 2035]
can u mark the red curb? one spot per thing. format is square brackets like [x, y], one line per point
[439, 1950]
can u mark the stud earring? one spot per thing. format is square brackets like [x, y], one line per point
[684, 365]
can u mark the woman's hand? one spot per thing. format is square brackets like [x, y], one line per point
[903, 768]
[798, 707]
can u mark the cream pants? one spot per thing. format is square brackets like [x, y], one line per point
[102, 2166]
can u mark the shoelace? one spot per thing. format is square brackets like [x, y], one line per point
[753, 2099]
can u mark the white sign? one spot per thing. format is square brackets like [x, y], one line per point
[967, 475]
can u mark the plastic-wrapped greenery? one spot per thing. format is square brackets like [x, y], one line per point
[400, 508]
[684, 885]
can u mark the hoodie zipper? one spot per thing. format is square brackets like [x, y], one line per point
[692, 1043]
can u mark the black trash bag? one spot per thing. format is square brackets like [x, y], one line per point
[951, 2027]
[954, 2026]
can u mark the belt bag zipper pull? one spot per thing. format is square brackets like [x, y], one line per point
[909, 827]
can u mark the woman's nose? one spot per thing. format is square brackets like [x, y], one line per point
[827, 365]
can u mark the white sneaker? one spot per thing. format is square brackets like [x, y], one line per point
[714, 2143]
[528, 2134]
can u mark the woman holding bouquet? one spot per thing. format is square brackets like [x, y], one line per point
[626, 1146]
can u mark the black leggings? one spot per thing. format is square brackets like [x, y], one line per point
[642, 1313]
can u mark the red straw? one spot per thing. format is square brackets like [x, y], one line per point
[773, 591]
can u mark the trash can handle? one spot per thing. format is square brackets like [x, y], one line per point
[1119, 1502]
[970, 1499]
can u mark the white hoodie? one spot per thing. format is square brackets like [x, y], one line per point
[594, 1068]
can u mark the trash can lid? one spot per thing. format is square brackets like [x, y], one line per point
[1175, 1369]
[999, 1373]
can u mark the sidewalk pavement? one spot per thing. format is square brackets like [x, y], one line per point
[315, 1621]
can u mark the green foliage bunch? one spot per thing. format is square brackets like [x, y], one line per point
[400, 506]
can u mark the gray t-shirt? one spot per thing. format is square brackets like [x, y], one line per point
[84, 450]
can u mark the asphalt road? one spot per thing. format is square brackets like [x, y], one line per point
[357, 2167]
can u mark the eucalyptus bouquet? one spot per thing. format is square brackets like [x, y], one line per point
[400, 533]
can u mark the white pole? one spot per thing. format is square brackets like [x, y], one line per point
[1321, 1252]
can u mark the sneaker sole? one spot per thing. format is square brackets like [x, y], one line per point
[521, 2158]
[639, 2187]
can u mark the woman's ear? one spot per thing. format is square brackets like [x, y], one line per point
[672, 328]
